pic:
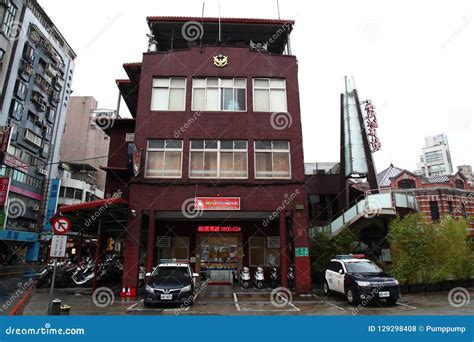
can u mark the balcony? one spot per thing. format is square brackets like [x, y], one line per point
[43, 85]
[26, 69]
[38, 99]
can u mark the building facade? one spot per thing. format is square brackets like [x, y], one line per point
[34, 103]
[219, 183]
[436, 158]
[436, 196]
[83, 140]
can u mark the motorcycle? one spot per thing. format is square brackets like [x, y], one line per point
[273, 278]
[245, 277]
[291, 276]
[259, 278]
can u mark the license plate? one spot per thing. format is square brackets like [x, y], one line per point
[166, 296]
[384, 294]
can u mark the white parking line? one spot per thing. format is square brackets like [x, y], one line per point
[236, 301]
[135, 307]
[408, 306]
[329, 303]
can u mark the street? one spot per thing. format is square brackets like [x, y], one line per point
[226, 300]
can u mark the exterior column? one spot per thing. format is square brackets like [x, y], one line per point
[150, 250]
[284, 258]
[302, 262]
[97, 255]
[132, 254]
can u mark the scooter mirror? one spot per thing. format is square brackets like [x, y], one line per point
[148, 274]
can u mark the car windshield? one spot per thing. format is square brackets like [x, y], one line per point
[362, 267]
[171, 271]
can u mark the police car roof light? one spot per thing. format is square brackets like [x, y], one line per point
[343, 256]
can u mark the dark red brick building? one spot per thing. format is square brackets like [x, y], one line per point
[216, 117]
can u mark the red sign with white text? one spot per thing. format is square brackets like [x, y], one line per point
[15, 163]
[217, 203]
[4, 186]
[219, 229]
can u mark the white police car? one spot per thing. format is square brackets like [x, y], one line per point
[359, 279]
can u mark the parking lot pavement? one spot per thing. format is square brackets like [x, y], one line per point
[217, 300]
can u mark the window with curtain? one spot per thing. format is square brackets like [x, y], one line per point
[164, 158]
[269, 95]
[218, 159]
[168, 93]
[272, 159]
[219, 94]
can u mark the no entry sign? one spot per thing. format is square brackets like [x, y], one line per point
[61, 225]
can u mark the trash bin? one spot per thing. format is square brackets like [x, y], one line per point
[56, 307]
[65, 310]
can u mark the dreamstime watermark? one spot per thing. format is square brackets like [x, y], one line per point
[190, 209]
[370, 30]
[103, 297]
[16, 208]
[465, 22]
[192, 30]
[286, 202]
[458, 210]
[103, 121]
[372, 208]
[459, 297]
[281, 120]
[46, 330]
[21, 290]
[281, 30]
[190, 300]
[104, 207]
[370, 297]
[281, 297]
[187, 124]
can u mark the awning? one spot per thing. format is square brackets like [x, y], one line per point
[84, 217]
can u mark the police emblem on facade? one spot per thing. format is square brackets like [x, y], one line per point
[220, 61]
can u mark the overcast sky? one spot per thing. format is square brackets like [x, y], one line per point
[414, 59]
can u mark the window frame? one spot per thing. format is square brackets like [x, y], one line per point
[164, 149]
[2, 55]
[270, 110]
[219, 90]
[255, 151]
[218, 150]
[169, 88]
[9, 18]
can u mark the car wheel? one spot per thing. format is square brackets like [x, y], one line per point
[392, 301]
[326, 290]
[351, 297]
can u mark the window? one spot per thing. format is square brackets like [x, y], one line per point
[2, 55]
[219, 94]
[33, 138]
[459, 184]
[17, 107]
[450, 207]
[272, 159]
[269, 95]
[9, 18]
[218, 159]
[406, 184]
[168, 94]
[261, 254]
[434, 211]
[164, 158]
[21, 88]
[29, 52]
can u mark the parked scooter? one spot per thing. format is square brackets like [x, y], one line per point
[259, 278]
[273, 278]
[245, 277]
[291, 276]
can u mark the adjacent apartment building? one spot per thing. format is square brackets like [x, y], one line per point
[34, 99]
[436, 158]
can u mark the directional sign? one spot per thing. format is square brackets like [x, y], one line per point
[61, 225]
[58, 246]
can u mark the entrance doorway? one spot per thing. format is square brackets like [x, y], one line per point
[220, 257]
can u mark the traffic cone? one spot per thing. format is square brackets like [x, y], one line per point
[123, 293]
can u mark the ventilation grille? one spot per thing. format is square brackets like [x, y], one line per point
[163, 241]
[273, 242]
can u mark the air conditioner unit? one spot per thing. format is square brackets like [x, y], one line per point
[130, 137]
[35, 207]
[42, 172]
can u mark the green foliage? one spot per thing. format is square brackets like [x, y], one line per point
[427, 252]
[324, 248]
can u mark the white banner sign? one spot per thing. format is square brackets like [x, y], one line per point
[58, 246]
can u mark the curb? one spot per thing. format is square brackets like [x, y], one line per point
[21, 305]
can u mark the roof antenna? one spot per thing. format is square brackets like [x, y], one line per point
[278, 8]
[219, 21]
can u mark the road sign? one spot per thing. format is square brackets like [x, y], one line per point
[58, 246]
[61, 225]
[301, 251]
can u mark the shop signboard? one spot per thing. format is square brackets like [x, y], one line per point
[4, 188]
[5, 140]
[52, 203]
[217, 203]
[15, 163]
[301, 251]
[219, 229]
